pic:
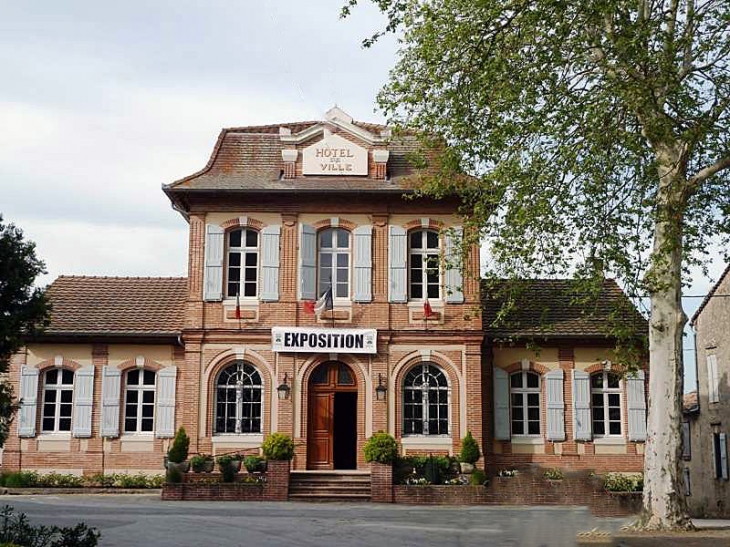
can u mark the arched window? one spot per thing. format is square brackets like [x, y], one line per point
[423, 267]
[425, 401]
[58, 398]
[334, 262]
[606, 404]
[238, 396]
[139, 401]
[243, 262]
[525, 403]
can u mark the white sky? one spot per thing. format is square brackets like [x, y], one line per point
[101, 103]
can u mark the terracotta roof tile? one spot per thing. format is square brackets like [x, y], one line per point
[690, 402]
[550, 308]
[117, 305]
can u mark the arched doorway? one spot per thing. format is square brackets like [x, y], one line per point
[332, 417]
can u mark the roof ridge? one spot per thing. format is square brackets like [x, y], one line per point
[119, 277]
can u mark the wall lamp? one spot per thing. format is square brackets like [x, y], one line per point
[284, 390]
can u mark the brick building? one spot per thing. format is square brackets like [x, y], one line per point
[280, 215]
[707, 411]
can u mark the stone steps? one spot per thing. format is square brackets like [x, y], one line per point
[328, 486]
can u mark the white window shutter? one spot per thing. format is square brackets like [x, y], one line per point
[397, 251]
[28, 401]
[308, 262]
[713, 379]
[165, 419]
[581, 406]
[555, 405]
[636, 405]
[453, 278]
[723, 456]
[501, 405]
[363, 278]
[686, 441]
[111, 381]
[270, 238]
[83, 401]
[214, 247]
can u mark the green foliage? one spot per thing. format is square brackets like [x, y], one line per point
[381, 448]
[469, 449]
[124, 480]
[16, 530]
[174, 475]
[254, 464]
[178, 452]
[623, 482]
[198, 461]
[227, 467]
[478, 478]
[554, 474]
[408, 467]
[20, 479]
[278, 446]
[24, 308]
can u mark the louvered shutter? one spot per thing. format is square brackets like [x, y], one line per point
[28, 401]
[308, 262]
[111, 381]
[501, 405]
[555, 405]
[713, 379]
[270, 238]
[214, 247]
[398, 247]
[686, 441]
[723, 456]
[453, 278]
[636, 405]
[83, 401]
[581, 406]
[165, 420]
[363, 264]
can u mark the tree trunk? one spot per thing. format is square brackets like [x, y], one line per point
[665, 505]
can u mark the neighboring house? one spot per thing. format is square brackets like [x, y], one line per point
[709, 424]
[281, 215]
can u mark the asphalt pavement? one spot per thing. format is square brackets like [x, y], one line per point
[145, 520]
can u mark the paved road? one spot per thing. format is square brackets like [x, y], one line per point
[146, 521]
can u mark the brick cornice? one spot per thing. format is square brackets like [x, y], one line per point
[242, 222]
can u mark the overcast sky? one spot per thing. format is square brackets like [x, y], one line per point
[103, 102]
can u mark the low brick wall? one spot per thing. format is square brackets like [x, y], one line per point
[525, 489]
[209, 487]
[381, 481]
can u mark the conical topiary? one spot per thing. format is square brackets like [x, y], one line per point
[178, 452]
[469, 449]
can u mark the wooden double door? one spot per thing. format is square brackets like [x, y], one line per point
[332, 417]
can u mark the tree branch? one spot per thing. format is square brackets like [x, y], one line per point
[707, 172]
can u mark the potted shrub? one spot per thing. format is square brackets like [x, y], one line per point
[469, 453]
[202, 463]
[381, 448]
[278, 446]
[254, 464]
[229, 465]
[178, 454]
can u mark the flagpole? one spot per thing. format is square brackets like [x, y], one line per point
[238, 305]
[332, 295]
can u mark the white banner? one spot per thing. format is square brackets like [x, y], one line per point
[310, 340]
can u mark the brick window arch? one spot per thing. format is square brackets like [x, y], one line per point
[426, 400]
[238, 399]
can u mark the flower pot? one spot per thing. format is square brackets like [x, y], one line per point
[205, 467]
[182, 467]
[467, 468]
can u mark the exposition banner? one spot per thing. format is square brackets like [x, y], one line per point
[311, 340]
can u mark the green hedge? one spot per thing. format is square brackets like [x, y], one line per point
[30, 479]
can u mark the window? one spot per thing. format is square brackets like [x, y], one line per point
[425, 401]
[139, 401]
[713, 379]
[606, 404]
[334, 262]
[238, 399]
[686, 441]
[58, 395]
[719, 454]
[423, 270]
[525, 403]
[243, 263]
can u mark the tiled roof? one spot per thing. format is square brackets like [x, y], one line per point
[545, 308]
[690, 402]
[710, 295]
[117, 305]
[249, 159]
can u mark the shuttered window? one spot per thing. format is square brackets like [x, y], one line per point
[139, 401]
[424, 280]
[243, 263]
[525, 403]
[58, 392]
[334, 262]
[606, 404]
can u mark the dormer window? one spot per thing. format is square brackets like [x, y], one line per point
[243, 263]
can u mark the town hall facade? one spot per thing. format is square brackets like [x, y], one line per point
[281, 215]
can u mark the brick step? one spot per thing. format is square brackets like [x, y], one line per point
[353, 484]
[330, 498]
[330, 488]
[330, 477]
